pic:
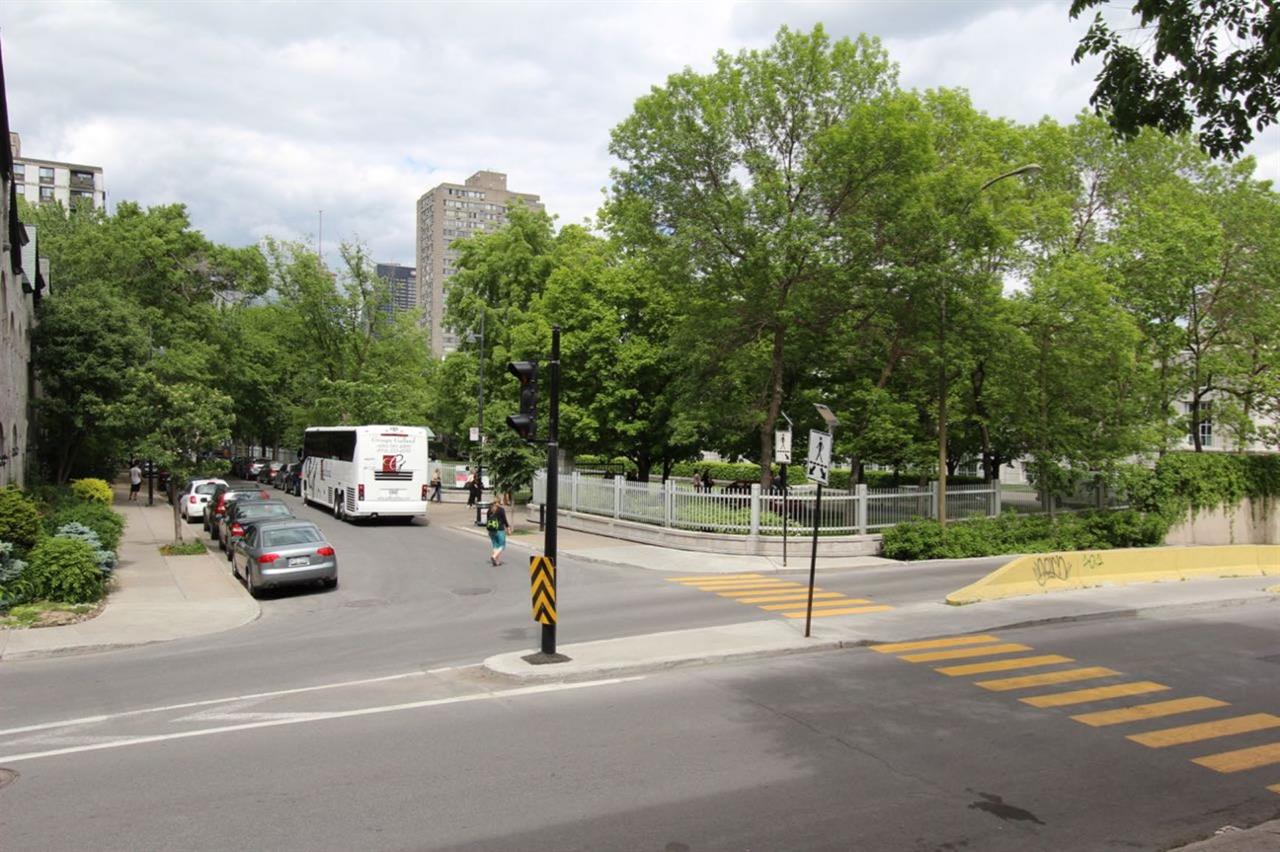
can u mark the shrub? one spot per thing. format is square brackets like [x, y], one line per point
[19, 519]
[1014, 533]
[105, 522]
[65, 569]
[15, 582]
[93, 491]
[106, 558]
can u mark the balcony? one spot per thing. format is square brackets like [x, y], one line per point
[82, 180]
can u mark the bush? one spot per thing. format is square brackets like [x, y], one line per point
[65, 569]
[1013, 533]
[106, 558]
[15, 582]
[93, 491]
[19, 519]
[106, 523]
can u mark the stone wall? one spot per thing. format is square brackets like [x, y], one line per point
[1252, 522]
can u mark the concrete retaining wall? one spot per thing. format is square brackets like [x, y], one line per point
[1249, 523]
[1053, 572]
[737, 545]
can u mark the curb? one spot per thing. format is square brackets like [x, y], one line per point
[512, 665]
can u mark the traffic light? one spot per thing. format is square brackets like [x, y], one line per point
[526, 422]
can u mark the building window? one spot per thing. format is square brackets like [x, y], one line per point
[20, 187]
[46, 193]
[19, 172]
[82, 179]
[46, 174]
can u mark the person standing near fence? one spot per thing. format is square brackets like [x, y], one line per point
[697, 481]
[436, 496]
[707, 481]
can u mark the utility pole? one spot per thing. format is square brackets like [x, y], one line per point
[553, 482]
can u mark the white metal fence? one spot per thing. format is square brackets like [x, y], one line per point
[751, 512]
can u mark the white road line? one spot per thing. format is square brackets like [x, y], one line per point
[318, 717]
[85, 720]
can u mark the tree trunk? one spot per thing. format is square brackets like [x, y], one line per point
[173, 502]
[775, 406]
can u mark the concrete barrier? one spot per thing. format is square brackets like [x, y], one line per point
[1054, 572]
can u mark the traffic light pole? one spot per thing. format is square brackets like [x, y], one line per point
[553, 478]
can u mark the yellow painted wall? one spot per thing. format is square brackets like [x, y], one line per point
[1052, 572]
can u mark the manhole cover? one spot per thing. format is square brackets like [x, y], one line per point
[364, 604]
[7, 777]
[473, 591]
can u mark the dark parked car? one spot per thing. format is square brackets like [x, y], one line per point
[276, 553]
[244, 512]
[219, 502]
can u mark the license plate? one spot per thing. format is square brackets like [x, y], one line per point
[299, 560]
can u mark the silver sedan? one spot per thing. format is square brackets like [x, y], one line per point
[284, 552]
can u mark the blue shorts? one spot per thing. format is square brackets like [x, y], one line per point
[498, 538]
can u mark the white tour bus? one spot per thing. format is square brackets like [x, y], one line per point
[367, 471]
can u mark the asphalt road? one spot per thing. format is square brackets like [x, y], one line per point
[410, 596]
[357, 719]
[844, 750]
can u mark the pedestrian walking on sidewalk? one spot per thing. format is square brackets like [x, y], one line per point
[496, 524]
[135, 479]
[435, 487]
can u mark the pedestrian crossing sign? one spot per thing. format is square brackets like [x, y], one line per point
[818, 463]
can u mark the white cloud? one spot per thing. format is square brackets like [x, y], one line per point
[258, 115]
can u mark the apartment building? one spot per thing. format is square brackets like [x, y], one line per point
[404, 285]
[446, 213]
[41, 181]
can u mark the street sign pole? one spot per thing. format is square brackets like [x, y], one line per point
[818, 469]
[813, 560]
[553, 481]
[782, 452]
[784, 516]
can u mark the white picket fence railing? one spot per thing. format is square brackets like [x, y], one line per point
[678, 506]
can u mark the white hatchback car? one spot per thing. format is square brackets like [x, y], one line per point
[193, 497]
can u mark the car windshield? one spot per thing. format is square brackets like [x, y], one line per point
[290, 535]
[265, 510]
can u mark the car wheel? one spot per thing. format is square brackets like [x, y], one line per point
[229, 553]
[249, 585]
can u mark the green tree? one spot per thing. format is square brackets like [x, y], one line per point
[1212, 60]
[761, 176]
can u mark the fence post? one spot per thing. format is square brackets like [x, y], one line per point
[668, 497]
[573, 492]
[861, 497]
[996, 498]
[933, 500]
[755, 508]
[617, 497]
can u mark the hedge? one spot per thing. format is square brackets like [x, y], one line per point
[1012, 532]
[92, 491]
[19, 519]
[105, 522]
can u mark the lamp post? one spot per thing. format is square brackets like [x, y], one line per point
[1029, 169]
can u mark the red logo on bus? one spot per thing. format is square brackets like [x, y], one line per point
[391, 464]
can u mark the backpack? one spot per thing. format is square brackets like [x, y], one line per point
[494, 523]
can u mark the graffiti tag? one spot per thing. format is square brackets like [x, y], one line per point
[1091, 561]
[1051, 568]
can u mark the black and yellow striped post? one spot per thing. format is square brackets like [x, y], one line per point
[542, 589]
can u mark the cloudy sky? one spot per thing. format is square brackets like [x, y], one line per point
[259, 115]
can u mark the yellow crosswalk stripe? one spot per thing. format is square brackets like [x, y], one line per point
[851, 611]
[1003, 665]
[1242, 759]
[842, 601]
[702, 578]
[1098, 693]
[744, 585]
[1064, 676]
[895, 647]
[780, 596]
[1149, 711]
[1206, 730]
[961, 653]
[781, 588]
[744, 581]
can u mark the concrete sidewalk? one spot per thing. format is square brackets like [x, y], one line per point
[588, 547]
[154, 598]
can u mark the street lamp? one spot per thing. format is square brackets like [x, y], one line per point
[1029, 169]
